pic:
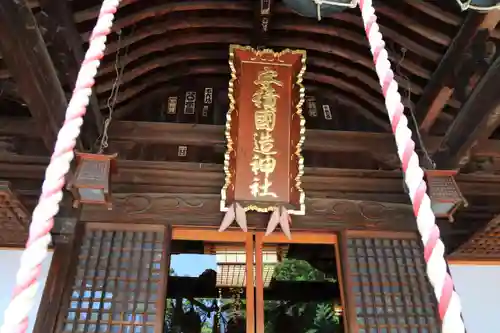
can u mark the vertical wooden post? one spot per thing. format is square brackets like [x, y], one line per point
[165, 263]
[350, 322]
[56, 284]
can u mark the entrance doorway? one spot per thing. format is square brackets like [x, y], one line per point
[238, 282]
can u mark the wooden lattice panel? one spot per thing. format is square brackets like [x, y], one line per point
[14, 217]
[118, 283]
[484, 245]
[390, 288]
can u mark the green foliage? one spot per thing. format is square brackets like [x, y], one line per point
[298, 270]
[310, 317]
[280, 316]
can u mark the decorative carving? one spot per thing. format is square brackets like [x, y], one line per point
[204, 209]
[135, 204]
[366, 210]
[14, 217]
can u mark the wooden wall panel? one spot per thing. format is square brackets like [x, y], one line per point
[390, 289]
[119, 282]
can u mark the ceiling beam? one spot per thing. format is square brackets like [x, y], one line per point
[65, 47]
[475, 121]
[26, 56]
[475, 30]
[210, 135]
[26, 174]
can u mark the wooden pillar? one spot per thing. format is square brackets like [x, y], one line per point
[61, 265]
[388, 283]
[349, 303]
[165, 266]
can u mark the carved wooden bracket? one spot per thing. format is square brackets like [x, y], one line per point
[14, 217]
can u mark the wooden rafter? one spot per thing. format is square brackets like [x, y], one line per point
[477, 119]
[28, 60]
[475, 29]
[66, 50]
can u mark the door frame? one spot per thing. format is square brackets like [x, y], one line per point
[254, 246]
[200, 234]
[297, 238]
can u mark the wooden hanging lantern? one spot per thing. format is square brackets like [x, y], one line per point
[444, 193]
[92, 180]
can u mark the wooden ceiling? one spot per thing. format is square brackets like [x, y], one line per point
[445, 61]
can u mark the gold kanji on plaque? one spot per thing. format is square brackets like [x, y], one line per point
[263, 161]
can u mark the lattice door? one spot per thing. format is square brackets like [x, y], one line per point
[391, 291]
[119, 283]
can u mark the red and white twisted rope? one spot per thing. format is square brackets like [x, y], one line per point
[16, 314]
[448, 300]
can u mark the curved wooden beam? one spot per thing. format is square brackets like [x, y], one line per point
[163, 9]
[298, 24]
[356, 37]
[326, 91]
[414, 25]
[353, 17]
[91, 13]
[105, 83]
[358, 78]
[163, 90]
[434, 11]
[177, 72]
[168, 26]
[171, 42]
[361, 56]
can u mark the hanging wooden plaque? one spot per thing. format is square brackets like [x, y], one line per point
[265, 130]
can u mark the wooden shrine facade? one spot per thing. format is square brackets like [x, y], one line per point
[165, 78]
[382, 283]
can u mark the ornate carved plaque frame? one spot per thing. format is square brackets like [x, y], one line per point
[263, 163]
